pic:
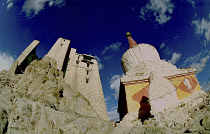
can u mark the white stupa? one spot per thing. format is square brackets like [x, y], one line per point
[147, 76]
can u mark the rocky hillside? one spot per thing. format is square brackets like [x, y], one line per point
[39, 101]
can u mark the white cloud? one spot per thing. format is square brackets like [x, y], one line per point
[100, 66]
[33, 7]
[9, 5]
[113, 47]
[167, 50]
[206, 86]
[205, 43]
[162, 45]
[6, 61]
[113, 114]
[107, 98]
[207, 34]
[202, 27]
[161, 9]
[51, 3]
[175, 58]
[115, 85]
[192, 2]
[199, 66]
[198, 61]
[194, 58]
[106, 58]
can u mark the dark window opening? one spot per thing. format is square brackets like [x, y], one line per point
[61, 93]
[6, 127]
[87, 80]
[87, 72]
[88, 65]
[87, 59]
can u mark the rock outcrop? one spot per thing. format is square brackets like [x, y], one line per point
[39, 101]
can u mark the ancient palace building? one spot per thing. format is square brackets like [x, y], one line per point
[150, 84]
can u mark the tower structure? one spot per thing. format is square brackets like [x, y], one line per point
[150, 84]
[59, 51]
[83, 75]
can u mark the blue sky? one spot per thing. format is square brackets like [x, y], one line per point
[178, 29]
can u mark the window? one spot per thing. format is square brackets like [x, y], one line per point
[87, 72]
[87, 80]
[87, 59]
[88, 65]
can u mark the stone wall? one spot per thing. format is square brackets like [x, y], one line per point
[162, 94]
[162, 89]
[83, 75]
[185, 84]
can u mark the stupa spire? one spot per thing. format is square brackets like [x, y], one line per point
[132, 43]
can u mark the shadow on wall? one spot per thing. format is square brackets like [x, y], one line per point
[145, 108]
[122, 104]
[21, 68]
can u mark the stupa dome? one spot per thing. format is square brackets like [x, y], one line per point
[138, 54]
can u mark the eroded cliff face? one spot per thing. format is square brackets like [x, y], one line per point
[39, 101]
